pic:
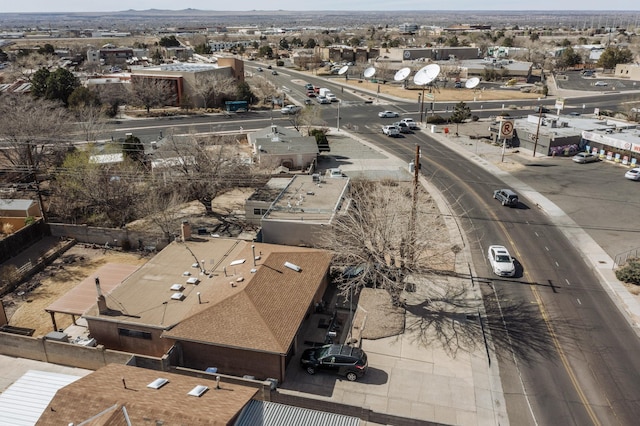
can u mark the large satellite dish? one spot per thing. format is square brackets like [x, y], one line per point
[343, 70]
[426, 74]
[472, 82]
[402, 74]
[369, 72]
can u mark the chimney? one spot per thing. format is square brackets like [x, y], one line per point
[185, 229]
[102, 302]
[253, 252]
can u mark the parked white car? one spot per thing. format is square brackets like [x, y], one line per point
[323, 100]
[501, 261]
[391, 130]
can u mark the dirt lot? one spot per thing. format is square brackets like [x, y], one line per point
[28, 309]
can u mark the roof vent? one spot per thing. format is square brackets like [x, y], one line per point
[198, 390]
[292, 266]
[158, 383]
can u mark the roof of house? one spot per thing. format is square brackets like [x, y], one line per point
[250, 313]
[83, 296]
[278, 140]
[309, 199]
[106, 396]
[267, 314]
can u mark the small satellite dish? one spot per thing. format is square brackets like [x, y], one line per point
[343, 70]
[426, 74]
[402, 74]
[369, 72]
[472, 82]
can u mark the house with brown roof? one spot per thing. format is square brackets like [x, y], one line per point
[227, 304]
[125, 395]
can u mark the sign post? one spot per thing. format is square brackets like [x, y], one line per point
[506, 132]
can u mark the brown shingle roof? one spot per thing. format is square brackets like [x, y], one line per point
[267, 314]
[102, 396]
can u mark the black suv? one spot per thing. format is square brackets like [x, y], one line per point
[506, 196]
[345, 360]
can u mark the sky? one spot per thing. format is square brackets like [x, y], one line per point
[30, 6]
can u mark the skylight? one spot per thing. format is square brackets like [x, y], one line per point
[158, 383]
[198, 390]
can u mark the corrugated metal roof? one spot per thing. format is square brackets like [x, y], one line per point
[273, 414]
[23, 403]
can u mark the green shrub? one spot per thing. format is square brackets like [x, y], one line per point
[436, 119]
[630, 273]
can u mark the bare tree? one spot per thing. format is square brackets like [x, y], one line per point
[377, 244]
[102, 194]
[32, 130]
[207, 166]
[150, 92]
[160, 205]
[209, 85]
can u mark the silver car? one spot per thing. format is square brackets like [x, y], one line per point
[585, 157]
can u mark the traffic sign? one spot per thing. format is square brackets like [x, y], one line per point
[506, 129]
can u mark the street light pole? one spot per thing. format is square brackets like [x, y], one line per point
[338, 120]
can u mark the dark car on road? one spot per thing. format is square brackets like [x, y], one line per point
[344, 360]
[506, 197]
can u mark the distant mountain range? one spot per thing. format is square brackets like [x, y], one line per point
[192, 17]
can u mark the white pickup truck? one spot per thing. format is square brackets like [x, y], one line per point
[409, 121]
[290, 109]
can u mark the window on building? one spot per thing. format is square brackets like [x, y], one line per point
[138, 334]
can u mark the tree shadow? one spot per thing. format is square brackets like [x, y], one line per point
[451, 318]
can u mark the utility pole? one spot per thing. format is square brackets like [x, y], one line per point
[414, 207]
[535, 144]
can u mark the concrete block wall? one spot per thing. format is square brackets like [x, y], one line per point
[112, 236]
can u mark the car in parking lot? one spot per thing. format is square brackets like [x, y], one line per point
[290, 109]
[323, 100]
[274, 72]
[600, 83]
[391, 130]
[388, 114]
[585, 157]
[633, 174]
[348, 361]
[259, 69]
[501, 261]
[506, 197]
